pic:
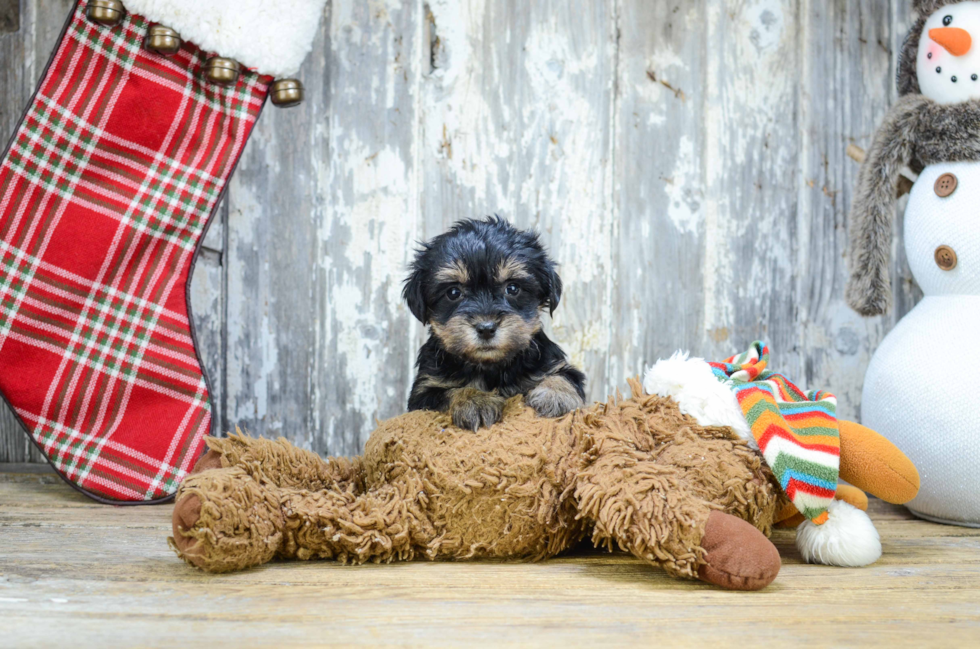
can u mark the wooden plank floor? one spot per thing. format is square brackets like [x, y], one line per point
[73, 573]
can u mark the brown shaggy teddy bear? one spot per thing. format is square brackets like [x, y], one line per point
[634, 474]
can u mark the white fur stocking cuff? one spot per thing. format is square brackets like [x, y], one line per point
[272, 37]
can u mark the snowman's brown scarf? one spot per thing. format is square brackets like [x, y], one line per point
[916, 132]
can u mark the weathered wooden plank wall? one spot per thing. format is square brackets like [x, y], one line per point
[684, 161]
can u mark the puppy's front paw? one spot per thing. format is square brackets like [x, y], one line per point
[472, 409]
[554, 397]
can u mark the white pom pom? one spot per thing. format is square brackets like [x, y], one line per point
[848, 538]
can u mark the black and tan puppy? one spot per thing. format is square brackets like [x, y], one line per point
[481, 288]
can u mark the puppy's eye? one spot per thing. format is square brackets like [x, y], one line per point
[947, 21]
[513, 290]
[454, 293]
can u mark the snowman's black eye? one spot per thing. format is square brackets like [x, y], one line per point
[947, 21]
[975, 77]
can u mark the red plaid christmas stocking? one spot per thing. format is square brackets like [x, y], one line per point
[106, 190]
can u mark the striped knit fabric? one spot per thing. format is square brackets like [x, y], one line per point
[796, 431]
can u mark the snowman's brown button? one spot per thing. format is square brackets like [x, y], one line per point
[946, 185]
[946, 258]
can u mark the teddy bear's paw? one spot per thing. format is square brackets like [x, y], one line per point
[554, 397]
[187, 512]
[739, 557]
[224, 520]
[474, 409]
[208, 461]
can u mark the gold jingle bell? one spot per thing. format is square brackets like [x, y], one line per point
[162, 40]
[222, 71]
[286, 93]
[105, 12]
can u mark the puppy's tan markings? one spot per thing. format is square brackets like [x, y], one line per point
[457, 336]
[460, 339]
[428, 382]
[472, 409]
[555, 396]
[515, 333]
[510, 270]
[455, 273]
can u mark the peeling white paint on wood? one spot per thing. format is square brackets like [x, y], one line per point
[684, 162]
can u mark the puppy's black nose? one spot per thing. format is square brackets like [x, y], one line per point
[486, 330]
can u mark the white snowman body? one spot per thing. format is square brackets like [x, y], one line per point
[922, 389]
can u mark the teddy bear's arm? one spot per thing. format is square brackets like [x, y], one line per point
[872, 463]
[280, 463]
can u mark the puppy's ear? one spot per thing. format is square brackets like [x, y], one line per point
[414, 295]
[554, 289]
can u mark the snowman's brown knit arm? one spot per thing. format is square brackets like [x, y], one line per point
[869, 287]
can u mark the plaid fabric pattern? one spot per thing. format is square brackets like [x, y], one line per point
[105, 192]
[796, 431]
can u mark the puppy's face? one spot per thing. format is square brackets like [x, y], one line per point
[484, 315]
[481, 287]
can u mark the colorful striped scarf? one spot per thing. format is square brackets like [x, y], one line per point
[796, 431]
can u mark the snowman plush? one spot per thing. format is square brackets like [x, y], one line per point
[921, 389]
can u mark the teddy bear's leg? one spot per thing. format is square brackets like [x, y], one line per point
[738, 556]
[278, 462]
[384, 524]
[225, 520]
[648, 509]
[228, 520]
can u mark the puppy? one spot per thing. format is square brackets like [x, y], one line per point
[481, 288]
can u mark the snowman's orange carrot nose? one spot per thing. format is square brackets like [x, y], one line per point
[956, 41]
